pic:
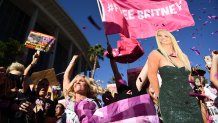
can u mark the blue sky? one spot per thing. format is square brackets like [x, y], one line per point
[203, 36]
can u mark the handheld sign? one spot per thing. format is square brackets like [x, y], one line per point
[39, 41]
[49, 74]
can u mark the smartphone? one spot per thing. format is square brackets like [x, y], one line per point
[49, 95]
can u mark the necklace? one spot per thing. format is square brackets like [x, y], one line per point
[173, 54]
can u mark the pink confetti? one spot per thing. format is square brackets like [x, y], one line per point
[197, 52]
[212, 17]
[196, 71]
[193, 37]
[199, 18]
[205, 23]
[197, 65]
[214, 32]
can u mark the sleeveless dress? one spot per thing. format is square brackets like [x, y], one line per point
[176, 106]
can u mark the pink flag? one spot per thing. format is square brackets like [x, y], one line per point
[142, 18]
[128, 50]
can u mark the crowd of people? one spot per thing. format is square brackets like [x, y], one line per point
[182, 97]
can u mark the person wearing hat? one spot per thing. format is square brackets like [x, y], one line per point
[44, 109]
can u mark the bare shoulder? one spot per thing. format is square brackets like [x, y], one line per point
[154, 54]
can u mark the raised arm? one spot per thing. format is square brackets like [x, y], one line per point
[34, 62]
[115, 70]
[214, 70]
[143, 77]
[68, 72]
[35, 59]
[153, 65]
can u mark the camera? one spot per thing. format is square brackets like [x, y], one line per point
[17, 79]
[8, 82]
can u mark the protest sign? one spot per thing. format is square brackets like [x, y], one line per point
[39, 41]
[49, 74]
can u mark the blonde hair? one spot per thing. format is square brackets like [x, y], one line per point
[176, 47]
[93, 88]
[16, 66]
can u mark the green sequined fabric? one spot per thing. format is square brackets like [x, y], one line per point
[176, 106]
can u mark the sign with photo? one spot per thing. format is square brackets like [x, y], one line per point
[39, 41]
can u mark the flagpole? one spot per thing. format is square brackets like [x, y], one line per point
[99, 8]
[101, 20]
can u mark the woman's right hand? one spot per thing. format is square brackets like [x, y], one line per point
[153, 95]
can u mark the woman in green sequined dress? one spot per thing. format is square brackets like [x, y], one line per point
[176, 106]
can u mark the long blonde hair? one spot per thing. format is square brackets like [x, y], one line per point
[176, 47]
[93, 88]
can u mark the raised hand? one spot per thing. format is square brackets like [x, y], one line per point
[35, 57]
[74, 58]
